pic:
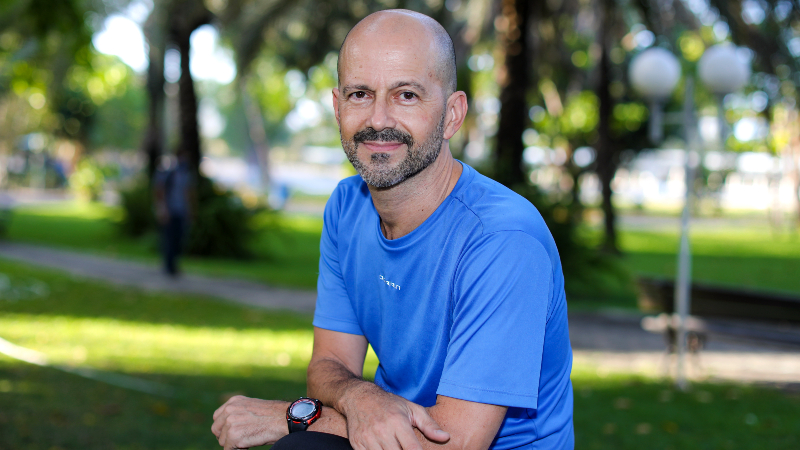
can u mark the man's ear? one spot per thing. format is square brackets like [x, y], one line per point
[336, 105]
[455, 114]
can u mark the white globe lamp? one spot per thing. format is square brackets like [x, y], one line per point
[723, 71]
[654, 73]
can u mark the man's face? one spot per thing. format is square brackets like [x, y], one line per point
[390, 107]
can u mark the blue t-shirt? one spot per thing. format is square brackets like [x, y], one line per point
[469, 305]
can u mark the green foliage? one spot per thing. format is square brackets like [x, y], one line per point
[6, 214]
[628, 117]
[89, 179]
[137, 206]
[222, 226]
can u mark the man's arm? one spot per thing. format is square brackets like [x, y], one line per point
[378, 419]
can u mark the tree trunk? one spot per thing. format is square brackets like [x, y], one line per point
[187, 104]
[606, 164]
[185, 16]
[514, 83]
[256, 132]
[153, 144]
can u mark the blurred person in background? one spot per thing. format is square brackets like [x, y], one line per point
[453, 279]
[173, 198]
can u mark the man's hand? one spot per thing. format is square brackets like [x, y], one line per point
[379, 420]
[244, 422]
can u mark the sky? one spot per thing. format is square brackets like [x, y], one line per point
[122, 36]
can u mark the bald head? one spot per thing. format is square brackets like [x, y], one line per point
[405, 22]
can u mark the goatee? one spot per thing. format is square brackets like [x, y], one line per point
[378, 172]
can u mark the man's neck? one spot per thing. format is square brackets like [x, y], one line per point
[404, 207]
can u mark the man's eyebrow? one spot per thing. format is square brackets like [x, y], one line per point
[413, 84]
[355, 87]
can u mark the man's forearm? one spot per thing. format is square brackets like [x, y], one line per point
[330, 382]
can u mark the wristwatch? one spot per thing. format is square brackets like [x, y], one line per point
[302, 413]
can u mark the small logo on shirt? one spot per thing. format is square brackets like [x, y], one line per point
[389, 283]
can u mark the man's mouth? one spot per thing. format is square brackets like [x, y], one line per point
[385, 140]
[380, 146]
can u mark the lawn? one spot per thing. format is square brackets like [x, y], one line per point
[286, 252]
[201, 351]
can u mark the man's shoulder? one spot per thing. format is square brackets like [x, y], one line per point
[349, 187]
[498, 208]
[349, 195]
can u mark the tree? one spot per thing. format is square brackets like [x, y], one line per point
[45, 51]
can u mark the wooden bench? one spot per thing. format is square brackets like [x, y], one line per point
[715, 310]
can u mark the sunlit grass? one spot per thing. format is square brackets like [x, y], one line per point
[750, 257]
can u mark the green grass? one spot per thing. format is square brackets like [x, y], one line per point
[629, 412]
[749, 257]
[285, 253]
[208, 350]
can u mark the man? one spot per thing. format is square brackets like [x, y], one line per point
[173, 194]
[453, 279]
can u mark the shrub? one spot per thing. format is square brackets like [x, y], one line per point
[88, 180]
[221, 226]
[137, 205]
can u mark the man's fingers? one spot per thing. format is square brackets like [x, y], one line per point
[407, 440]
[425, 424]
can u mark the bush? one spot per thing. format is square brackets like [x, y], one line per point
[222, 225]
[137, 204]
[91, 176]
[88, 180]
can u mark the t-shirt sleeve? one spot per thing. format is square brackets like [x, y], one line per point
[501, 296]
[333, 310]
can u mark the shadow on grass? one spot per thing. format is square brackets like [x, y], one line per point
[632, 413]
[42, 408]
[45, 409]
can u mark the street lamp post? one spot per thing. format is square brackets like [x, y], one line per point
[655, 73]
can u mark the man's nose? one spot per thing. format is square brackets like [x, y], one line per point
[381, 115]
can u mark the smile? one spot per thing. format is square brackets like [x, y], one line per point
[380, 146]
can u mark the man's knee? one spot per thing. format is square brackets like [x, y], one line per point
[310, 440]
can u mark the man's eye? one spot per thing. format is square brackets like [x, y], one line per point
[408, 95]
[359, 94]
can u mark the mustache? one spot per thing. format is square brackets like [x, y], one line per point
[385, 135]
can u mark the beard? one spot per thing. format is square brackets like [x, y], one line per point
[378, 171]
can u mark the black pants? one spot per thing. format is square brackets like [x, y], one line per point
[310, 440]
[172, 236]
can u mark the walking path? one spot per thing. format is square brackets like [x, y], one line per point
[606, 342]
[150, 277]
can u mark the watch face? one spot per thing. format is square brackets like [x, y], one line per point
[303, 408]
